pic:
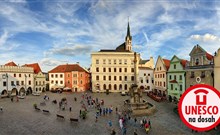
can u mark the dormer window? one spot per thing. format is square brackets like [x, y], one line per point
[197, 61]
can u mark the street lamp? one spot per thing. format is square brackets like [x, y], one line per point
[25, 83]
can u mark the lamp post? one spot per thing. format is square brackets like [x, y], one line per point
[25, 84]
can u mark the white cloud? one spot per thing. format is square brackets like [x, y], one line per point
[3, 38]
[205, 38]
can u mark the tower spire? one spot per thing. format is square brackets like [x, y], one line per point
[128, 29]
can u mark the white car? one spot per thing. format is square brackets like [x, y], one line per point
[123, 93]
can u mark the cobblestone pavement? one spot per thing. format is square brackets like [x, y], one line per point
[19, 118]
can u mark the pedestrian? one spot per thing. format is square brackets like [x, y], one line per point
[110, 123]
[80, 112]
[149, 122]
[116, 110]
[100, 111]
[1, 109]
[11, 99]
[124, 130]
[141, 123]
[70, 108]
[75, 98]
[17, 99]
[135, 132]
[113, 132]
[135, 120]
[104, 111]
[96, 117]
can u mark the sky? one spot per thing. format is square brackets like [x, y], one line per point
[53, 32]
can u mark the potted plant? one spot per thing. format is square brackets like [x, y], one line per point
[35, 105]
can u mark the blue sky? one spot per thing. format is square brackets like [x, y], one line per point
[53, 32]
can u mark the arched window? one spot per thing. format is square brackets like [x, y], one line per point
[36, 89]
[126, 86]
[120, 87]
[115, 87]
[109, 86]
[104, 86]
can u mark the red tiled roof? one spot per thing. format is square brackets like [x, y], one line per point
[209, 56]
[67, 68]
[183, 62]
[173, 81]
[35, 66]
[10, 64]
[167, 63]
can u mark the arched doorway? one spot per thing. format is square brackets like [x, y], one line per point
[115, 87]
[22, 91]
[4, 93]
[14, 92]
[126, 86]
[29, 90]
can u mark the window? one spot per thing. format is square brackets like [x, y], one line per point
[115, 70]
[61, 82]
[144, 74]
[97, 69]
[120, 78]
[132, 62]
[115, 87]
[192, 74]
[74, 75]
[160, 68]
[120, 87]
[81, 82]
[170, 77]
[203, 74]
[109, 78]
[19, 75]
[22, 82]
[104, 70]
[152, 81]
[104, 61]
[12, 83]
[81, 75]
[104, 77]
[132, 69]
[68, 75]
[4, 83]
[115, 78]
[126, 86]
[155, 82]
[115, 62]
[29, 82]
[174, 77]
[148, 74]
[51, 75]
[141, 80]
[109, 86]
[174, 66]
[171, 86]
[132, 78]
[126, 78]
[181, 77]
[14, 75]
[181, 87]
[157, 69]
[17, 83]
[104, 86]
[163, 75]
[56, 75]
[147, 80]
[125, 69]
[40, 82]
[29, 75]
[97, 78]
[75, 82]
[109, 61]
[61, 76]
[155, 76]
[120, 70]
[125, 62]
[97, 61]
[164, 84]
[197, 61]
[120, 61]
[160, 75]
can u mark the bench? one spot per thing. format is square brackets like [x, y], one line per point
[46, 111]
[73, 119]
[38, 109]
[60, 116]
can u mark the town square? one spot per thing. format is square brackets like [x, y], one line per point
[107, 67]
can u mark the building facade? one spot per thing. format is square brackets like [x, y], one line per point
[160, 79]
[69, 77]
[114, 70]
[217, 70]
[16, 80]
[146, 78]
[147, 63]
[176, 78]
[201, 68]
[39, 78]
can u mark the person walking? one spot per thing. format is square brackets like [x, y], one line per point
[116, 110]
[70, 108]
[110, 123]
[149, 123]
[135, 132]
[124, 130]
[135, 120]
[141, 123]
[113, 132]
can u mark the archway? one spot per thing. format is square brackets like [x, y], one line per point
[109, 86]
[120, 87]
[115, 87]
[170, 98]
[29, 90]
[4, 93]
[22, 91]
[14, 92]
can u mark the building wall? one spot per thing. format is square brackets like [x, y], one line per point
[217, 70]
[56, 79]
[83, 79]
[17, 78]
[103, 79]
[160, 76]
[68, 79]
[146, 78]
[40, 82]
[176, 70]
[149, 64]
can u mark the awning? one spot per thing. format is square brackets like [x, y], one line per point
[67, 88]
[173, 81]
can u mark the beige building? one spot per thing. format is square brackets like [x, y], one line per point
[217, 70]
[147, 63]
[114, 70]
[160, 79]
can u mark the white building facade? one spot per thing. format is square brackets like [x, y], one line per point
[16, 80]
[146, 79]
[56, 81]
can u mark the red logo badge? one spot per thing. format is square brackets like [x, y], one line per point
[199, 107]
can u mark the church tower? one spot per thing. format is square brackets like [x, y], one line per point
[128, 39]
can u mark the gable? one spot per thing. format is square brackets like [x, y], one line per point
[197, 50]
[159, 64]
